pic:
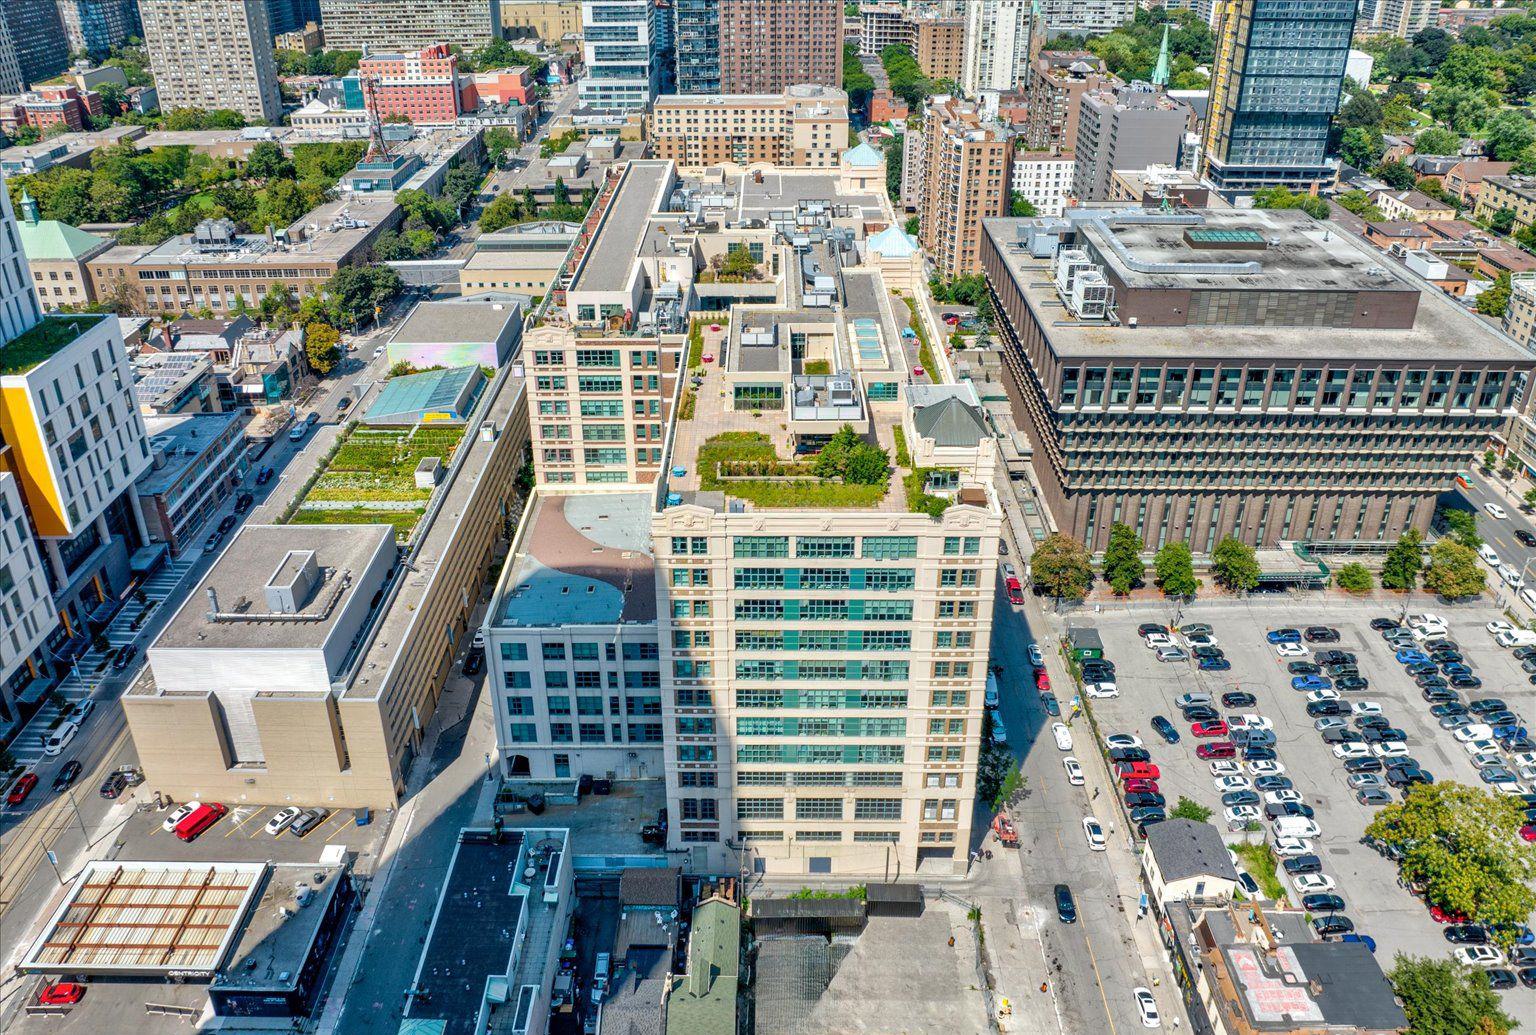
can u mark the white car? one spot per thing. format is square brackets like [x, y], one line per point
[1486, 757]
[1156, 640]
[1429, 632]
[81, 711]
[1104, 689]
[1009, 571]
[283, 820]
[1290, 847]
[1499, 625]
[1495, 511]
[1122, 740]
[1327, 693]
[1250, 721]
[1226, 767]
[379, 351]
[1389, 749]
[1512, 578]
[1479, 955]
[1526, 773]
[1312, 883]
[1524, 759]
[1237, 815]
[1202, 640]
[1297, 826]
[1348, 751]
[1281, 797]
[1511, 789]
[1264, 767]
[1291, 650]
[1476, 731]
[59, 739]
[1074, 770]
[1364, 708]
[1095, 834]
[180, 813]
[1063, 736]
[1228, 784]
[999, 731]
[1147, 1007]
[1424, 620]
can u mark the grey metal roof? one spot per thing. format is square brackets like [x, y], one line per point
[648, 886]
[1185, 849]
[951, 422]
[431, 323]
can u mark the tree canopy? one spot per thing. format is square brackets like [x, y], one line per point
[1060, 566]
[1234, 565]
[1122, 565]
[1174, 567]
[1442, 997]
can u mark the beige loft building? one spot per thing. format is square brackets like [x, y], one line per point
[806, 126]
[965, 180]
[309, 661]
[548, 20]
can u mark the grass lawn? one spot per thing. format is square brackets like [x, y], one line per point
[1260, 862]
[378, 465]
[751, 445]
[403, 520]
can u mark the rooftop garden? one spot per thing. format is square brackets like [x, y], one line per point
[848, 472]
[38, 343]
[370, 478]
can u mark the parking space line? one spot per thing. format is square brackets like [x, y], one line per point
[339, 815]
[244, 821]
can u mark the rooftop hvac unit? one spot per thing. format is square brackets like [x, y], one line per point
[1090, 295]
[1069, 263]
[840, 391]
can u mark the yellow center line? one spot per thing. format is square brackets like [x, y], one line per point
[1093, 959]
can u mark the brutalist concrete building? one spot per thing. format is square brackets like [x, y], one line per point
[1253, 373]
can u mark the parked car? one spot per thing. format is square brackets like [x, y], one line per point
[307, 821]
[282, 820]
[21, 789]
[124, 657]
[67, 775]
[1094, 834]
[61, 993]
[114, 785]
[1066, 909]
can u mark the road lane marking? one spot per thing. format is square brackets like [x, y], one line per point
[1093, 959]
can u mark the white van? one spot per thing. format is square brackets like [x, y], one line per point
[992, 691]
[1487, 553]
[1528, 597]
[1516, 638]
[1295, 826]
[602, 970]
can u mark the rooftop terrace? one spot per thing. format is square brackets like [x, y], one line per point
[39, 343]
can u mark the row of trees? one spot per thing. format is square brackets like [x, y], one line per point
[509, 209]
[426, 218]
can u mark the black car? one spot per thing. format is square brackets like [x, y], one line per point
[243, 502]
[1334, 924]
[1407, 776]
[1451, 669]
[1466, 682]
[1238, 699]
[1522, 955]
[67, 776]
[1144, 799]
[1209, 652]
[474, 661]
[1363, 765]
[1385, 849]
[1500, 979]
[1148, 628]
[1432, 681]
[1129, 755]
[229, 522]
[113, 785]
[1052, 705]
[1320, 634]
[1372, 722]
[1487, 705]
[1383, 734]
[124, 657]
[264, 475]
[1440, 694]
[1527, 976]
[1347, 683]
[1525, 538]
[1321, 709]
[1066, 909]
[1165, 729]
[1297, 865]
[1441, 711]
[1446, 655]
[1288, 808]
[1441, 644]
[1303, 668]
[1341, 668]
[1336, 657]
[1259, 753]
[1201, 713]
[1098, 675]
[1342, 735]
[1148, 814]
[1524, 653]
[1384, 624]
[1423, 668]
[1322, 903]
[1466, 934]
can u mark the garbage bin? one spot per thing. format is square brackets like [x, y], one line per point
[362, 817]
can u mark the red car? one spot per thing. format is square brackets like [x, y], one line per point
[21, 789]
[1137, 771]
[1528, 832]
[1042, 680]
[1441, 916]
[1214, 728]
[1217, 749]
[61, 993]
[1140, 785]
[1015, 590]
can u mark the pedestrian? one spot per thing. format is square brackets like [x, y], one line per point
[1095, 794]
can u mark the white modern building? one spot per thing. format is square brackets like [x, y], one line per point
[1086, 17]
[619, 48]
[26, 609]
[998, 46]
[18, 305]
[1044, 180]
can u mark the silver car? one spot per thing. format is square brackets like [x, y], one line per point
[1361, 781]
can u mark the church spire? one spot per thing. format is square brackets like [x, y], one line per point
[1160, 73]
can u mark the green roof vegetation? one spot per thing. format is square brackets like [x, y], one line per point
[919, 501]
[40, 342]
[371, 478]
[739, 455]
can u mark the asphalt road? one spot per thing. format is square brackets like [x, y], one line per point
[1501, 534]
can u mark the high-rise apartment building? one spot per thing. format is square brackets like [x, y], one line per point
[18, 307]
[1402, 18]
[1000, 43]
[1240, 372]
[10, 61]
[965, 180]
[409, 24]
[881, 25]
[939, 45]
[1086, 17]
[696, 37]
[37, 33]
[424, 86]
[1057, 81]
[97, 26]
[1124, 127]
[213, 55]
[766, 45]
[292, 15]
[804, 127]
[1278, 73]
[621, 49]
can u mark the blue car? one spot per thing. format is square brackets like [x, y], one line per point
[1310, 683]
[1363, 939]
[1214, 665]
[1412, 657]
[1509, 732]
[1283, 636]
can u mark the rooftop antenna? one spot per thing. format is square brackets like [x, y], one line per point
[377, 148]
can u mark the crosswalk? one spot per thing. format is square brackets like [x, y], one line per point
[93, 668]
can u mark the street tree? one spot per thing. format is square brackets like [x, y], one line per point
[1443, 997]
[1234, 565]
[1461, 525]
[322, 347]
[1354, 578]
[1122, 566]
[1453, 571]
[1462, 845]
[1401, 568]
[1061, 567]
[1174, 567]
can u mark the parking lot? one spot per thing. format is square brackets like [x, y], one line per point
[1379, 907]
[241, 836]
